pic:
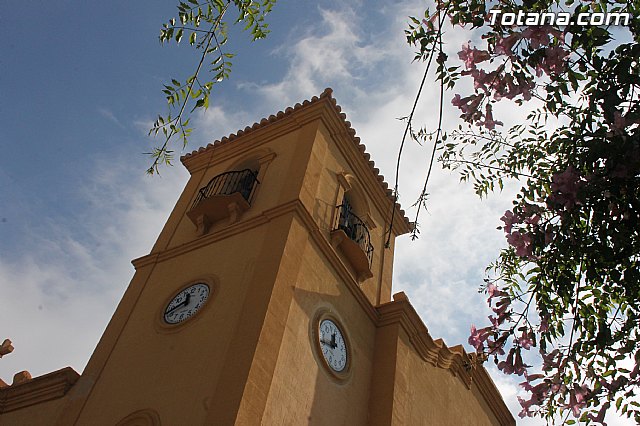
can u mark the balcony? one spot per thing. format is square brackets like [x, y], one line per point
[226, 196]
[351, 235]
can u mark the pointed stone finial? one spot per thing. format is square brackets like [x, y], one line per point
[21, 377]
[6, 348]
[326, 92]
[400, 296]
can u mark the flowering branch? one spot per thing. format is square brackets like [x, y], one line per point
[566, 284]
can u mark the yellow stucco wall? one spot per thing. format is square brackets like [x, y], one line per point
[43, 414]
[303, 389]
[427, 395]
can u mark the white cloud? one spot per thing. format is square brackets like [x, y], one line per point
[219, 121]
[59, 296]
[332, 53]
[108, 114]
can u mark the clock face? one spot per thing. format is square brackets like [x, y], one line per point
[332, 344]
[186, 303]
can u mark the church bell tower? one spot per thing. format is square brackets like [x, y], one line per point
[266, 299]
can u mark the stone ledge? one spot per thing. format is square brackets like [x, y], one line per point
[37, 390]
[465, 367]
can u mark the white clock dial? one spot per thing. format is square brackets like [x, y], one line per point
[185, 304]
[332, 345]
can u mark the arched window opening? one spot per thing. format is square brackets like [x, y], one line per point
[226, 196]
[240, 181]
[350, 232]
[354, 227]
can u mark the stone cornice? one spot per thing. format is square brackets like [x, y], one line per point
[492, 396]
[437, 353]
[37, 390]
[330, 113]
[298, 209]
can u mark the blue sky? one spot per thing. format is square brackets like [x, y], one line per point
[80, 85]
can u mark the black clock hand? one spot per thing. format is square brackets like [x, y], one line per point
[179, 305]
[333, 341]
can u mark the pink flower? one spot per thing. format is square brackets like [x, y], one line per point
[577, 399]
[553, 62]
[533, 220]
[495, 348]
[525, 340]
[432, 20]
[557, 387]
[480, 78]
[634, 373]
[468, 105]
[457, 101]
[489, 122]
[506, 86]
[526, 407]
[491, 289]
[501, 308]
[471, 57]
[531, 378]
[513, 364]
[522, 243]
[495, 322]
[505, 45]
[564, 187]
[519, 367]
[539, 35]
[478, 337]
[507, 365]
[538, 393]
[550, 360]
[509, 218]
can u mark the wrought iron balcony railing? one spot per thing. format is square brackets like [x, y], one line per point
[243, 182]
[355, 229]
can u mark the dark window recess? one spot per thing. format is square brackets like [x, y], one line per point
[355, 229]
[226, 196]
[243, 182]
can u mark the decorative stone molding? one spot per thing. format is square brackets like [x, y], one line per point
[37, 390]
[21, 377]
[462, 365]
[146, 417]
[6, 348]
